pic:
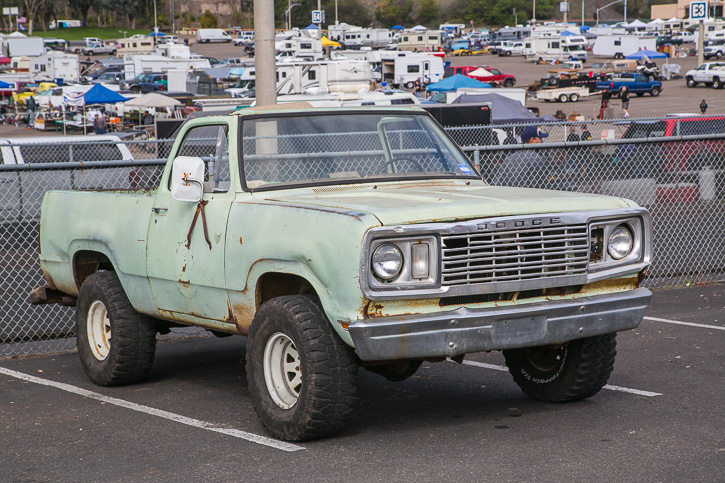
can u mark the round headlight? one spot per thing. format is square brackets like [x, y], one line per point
[620, 242]
[387, 261]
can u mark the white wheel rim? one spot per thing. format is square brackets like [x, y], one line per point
[98, 328]
[282, 372]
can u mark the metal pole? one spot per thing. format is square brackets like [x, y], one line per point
[582, 13]
[173, 18]
[625, 11]
[266, 70]
[700, 42]
[319, 25]
[533, 14]
[156, 24]
[336, 21]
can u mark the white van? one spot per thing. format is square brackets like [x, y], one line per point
[212, 35]
[22, 192]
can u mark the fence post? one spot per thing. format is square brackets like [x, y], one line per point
[477, 159]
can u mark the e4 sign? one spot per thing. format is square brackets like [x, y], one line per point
[698, 10]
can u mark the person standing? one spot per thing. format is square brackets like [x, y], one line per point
[99, 124]
[624, 95]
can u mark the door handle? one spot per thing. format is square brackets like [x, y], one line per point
[158, 210]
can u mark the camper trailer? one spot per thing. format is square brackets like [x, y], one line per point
[55, 65]
[620, 46]
[317, 77]
[133, 65]
[135, 46]
[411, 68]
[429, 40]
[373, 38]
[548, 49]
[299, 49]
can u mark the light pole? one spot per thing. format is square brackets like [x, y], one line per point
[609, 5]
[156, 24]
[288, 15]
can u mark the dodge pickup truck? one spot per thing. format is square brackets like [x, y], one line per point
[343, 238]
[636, 83]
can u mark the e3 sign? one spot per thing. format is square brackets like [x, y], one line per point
[698, 10]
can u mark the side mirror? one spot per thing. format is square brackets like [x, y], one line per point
[187, 179]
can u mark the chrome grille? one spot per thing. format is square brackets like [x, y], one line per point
[515, 255]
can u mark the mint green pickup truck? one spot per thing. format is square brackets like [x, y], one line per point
[336, 239]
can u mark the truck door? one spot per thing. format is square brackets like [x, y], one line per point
[187, 278]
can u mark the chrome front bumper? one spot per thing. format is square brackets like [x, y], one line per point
[462, 331]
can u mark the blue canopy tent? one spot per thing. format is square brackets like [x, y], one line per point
[454, 82]
[397, 27]
[5, 85]
[650, 54]
[98, 94]
[157, 34]
[311, 27]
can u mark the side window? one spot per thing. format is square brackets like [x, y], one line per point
[413, 69]
[210, 143]
[312, 75]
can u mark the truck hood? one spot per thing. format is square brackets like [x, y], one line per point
[416, 202]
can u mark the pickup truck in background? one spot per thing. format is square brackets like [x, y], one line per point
[709, 74]
[636, 84]
[492, 75]
[716, 50]
[343, 238]
[99, 48]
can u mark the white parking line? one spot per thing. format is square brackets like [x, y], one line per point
[608, 386]
[254, 438]
[691, 324]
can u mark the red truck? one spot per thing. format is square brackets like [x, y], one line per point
[495, 76]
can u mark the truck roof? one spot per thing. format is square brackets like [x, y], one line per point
[303, 106]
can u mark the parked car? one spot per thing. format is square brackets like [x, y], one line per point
[709, 74]
[412, 258]
[662, 161]
[145, 82]
[111, 77]
[243, 39]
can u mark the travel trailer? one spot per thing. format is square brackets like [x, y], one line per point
[133, 65]
[135, 46]
[620, 46]
[430, 40]
[548, 49]
[55, 65]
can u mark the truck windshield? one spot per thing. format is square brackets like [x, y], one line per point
[334, 148]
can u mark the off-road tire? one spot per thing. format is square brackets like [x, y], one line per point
[577, 370]
[326, 366]
[131, 343]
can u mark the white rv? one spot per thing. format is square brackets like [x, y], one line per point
[212, 35]
[316, 77]
[375, 38]
[620, 46]
[412, 67]
[548, 49]
[298, 49]
[55, 65]
[133, 65]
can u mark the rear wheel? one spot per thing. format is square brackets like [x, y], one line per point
[302, 376]
[508, 83]
[573, 371]
[655, 92]
[574, 97]
[719, 54]
[716, 83]
[563, 98]
[116, 344]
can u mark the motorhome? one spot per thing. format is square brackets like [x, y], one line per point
[316, 77]
[548, 49]
[374, 38]
[299, 48]
[620, 46]
[212, 35]
[133, 65]
[430, 40]
[135, 46]
[55, 65]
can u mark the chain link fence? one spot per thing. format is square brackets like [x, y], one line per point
[680, 179]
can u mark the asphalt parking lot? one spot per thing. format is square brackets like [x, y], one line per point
[659, 419]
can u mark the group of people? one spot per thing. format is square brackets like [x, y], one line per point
[607, 96]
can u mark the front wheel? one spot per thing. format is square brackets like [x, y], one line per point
[302, 376]
[116, 344]
[573, 371]
[691, 82]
